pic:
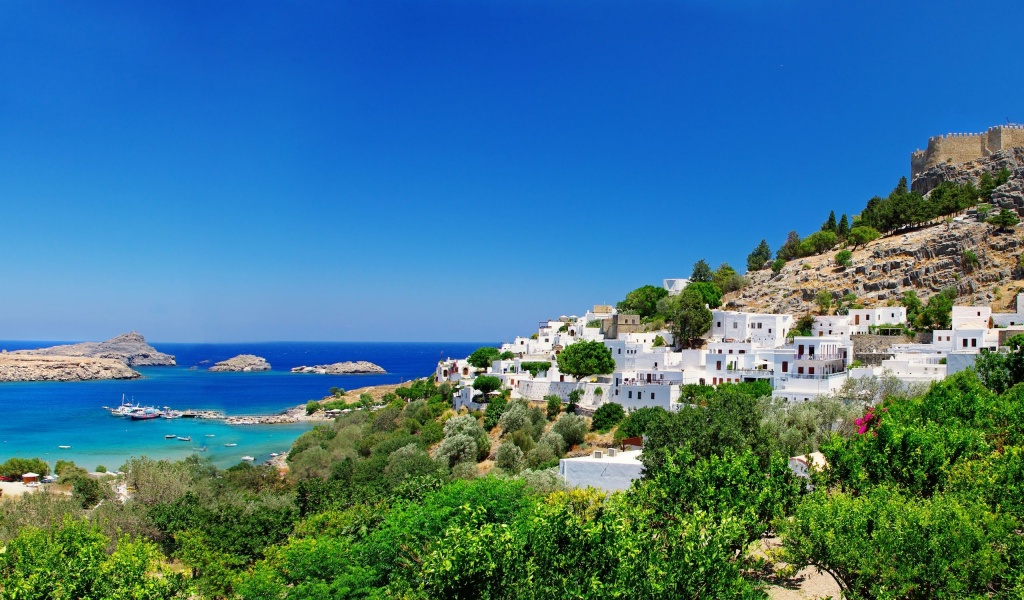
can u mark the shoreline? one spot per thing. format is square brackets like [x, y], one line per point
[297, 414]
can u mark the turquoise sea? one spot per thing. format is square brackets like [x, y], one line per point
[39, 417]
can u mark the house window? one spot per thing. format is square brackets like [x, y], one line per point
[800, 370]
[810, 370]
[631, 393]
[730, 350]
[734, 325]
[759, 325]
[974, 343]
[965, 342]
[785, 366]
[718, 324]
[719, 366]
[743, 351]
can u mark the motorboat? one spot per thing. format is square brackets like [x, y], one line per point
[184, 439]
[231, 445]
[63, 447]
[170, 436]
[248, 458]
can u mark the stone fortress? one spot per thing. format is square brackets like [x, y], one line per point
[958, 148]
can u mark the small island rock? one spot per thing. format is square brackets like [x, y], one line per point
[15, 367]
[342, 368]
[129, 348]
[242, 363]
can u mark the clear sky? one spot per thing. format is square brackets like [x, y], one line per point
[446, 170]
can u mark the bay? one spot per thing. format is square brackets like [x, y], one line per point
[38, 417]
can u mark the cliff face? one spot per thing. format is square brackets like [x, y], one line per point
[242, 363]
[1009, 195]
[130, 349]
[927, 261]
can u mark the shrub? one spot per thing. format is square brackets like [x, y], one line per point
[554, 441]
[514, 418]
[456, 449]
[541, 457]
[658, 341]
[970, 260]
[535, 367]
[521, 439]
[607, 416]
[777, 265]
[486, 384]
[844, 258]
[509, 458]
[101, 469]
[494, 411]
[467, 425]
[555, 405]
[572, 428]
[312, 406]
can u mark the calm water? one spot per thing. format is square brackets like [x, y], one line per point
[39, 417]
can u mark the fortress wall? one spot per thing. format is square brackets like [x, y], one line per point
[1007, 136]
[959, 148]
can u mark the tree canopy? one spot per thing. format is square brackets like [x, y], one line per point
[586, 358]
[759, 257]
[688, 314]
[643, 301]
[701, 272]
[482, 358]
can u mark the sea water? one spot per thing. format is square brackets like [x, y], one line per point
[39, 417]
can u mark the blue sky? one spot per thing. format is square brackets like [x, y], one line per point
[443, 170]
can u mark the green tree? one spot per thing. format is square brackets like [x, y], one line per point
[999, 372]
[727, 279]
[701, 272]
[791, 248]
[689, 315]
[586, 358]
[509, 457]
[912, 303]
[709, 292]
[818, 242]
[643, 301]
[495, 409]
[607, 416]
[482, 358]
[938, 312]
[554, 406]
[843, 229]
[486, 384]
[1004, 220]
[572, 428]
[759, 257]
[830, 223]
[777, 265]
[844, 258]
[862, 235]
[824, 301]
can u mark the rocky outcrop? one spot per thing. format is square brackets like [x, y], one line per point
[1009, 195]
[242, 363]
[927, 261]
[130, 349]
[342, 368]
[21, 367]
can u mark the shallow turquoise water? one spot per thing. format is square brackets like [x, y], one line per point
[39, 417]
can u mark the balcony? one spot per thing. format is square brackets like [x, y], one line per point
[828, 356]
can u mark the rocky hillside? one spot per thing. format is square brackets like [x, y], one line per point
[242, 363]
[128, 348]
[927, 260]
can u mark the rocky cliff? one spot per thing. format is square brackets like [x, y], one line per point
[927, 260]
[342, 368]
[130, 349]
[22, 367]
[242, 363]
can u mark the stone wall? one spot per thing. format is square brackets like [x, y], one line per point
[958, 148]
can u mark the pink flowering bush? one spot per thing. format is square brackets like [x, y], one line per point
[869, 421]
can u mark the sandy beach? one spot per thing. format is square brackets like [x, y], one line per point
[16, 488]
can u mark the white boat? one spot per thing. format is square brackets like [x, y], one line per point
[274, 454]
[184, 439]
[63, 447]
[170, 436]
[248, 458]
[231, 445]
[210, 434]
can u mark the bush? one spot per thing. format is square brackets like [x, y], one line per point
[495, 410]
[555, 405]
[658, 341]
[486, 384]
[456, 449]
[535, 367]
[777, 265]
[509, 458]
[514, 418]
[467, 425]
[312, 406]
[16, 467]
[101, 469]
[572, 428]
[541, 457]
[554, 441]
[844, 258]
[607, 416]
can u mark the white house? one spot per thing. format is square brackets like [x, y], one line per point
[609, 470]
[863, 318]
[832, 325]
[766, 331]
[971, 317]
[675, 286]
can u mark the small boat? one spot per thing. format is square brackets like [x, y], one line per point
[170, 436]
[274, 454]
[231, 445]
[63, 447]
[248, 458]
[203, 449]
[184, 439]
[210, 434]
[145, 414]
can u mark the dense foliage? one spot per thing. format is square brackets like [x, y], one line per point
[586, 358]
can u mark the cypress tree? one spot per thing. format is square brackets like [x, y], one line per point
[843, 229]
[830, 225]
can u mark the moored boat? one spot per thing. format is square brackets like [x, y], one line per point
[184, 439]
[170, 436]
[231, 445]
[248, 458]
